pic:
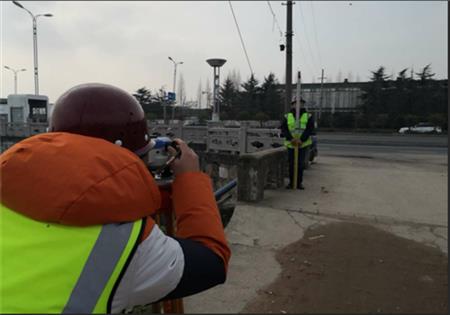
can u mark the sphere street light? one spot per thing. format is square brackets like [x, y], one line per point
[35, 53]
[216, 63]
[15, 76]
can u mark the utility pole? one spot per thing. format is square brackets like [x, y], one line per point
[174, 83]
[321, 94]
[289, 34]
[35, 50]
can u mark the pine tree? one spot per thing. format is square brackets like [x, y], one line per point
[228, 98]
[143, 96]
[249, 103]
[425, 75]
[272, 102]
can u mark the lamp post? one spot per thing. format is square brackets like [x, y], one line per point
[15, 76]
[174, 82]
[216, 64]
[35, 53]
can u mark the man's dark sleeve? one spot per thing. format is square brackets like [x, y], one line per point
[285, 130]
[203, 269]
[308, 131]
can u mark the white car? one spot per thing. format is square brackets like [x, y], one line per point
[422, 127]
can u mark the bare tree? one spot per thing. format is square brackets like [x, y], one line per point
[350, 76]
[235, 77]
[181, 90]
[199, 94]
[208, 94]
[339, 76]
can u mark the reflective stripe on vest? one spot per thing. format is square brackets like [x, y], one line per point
[52, 268]
[297, 132]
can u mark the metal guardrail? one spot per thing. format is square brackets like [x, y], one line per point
[216, 137]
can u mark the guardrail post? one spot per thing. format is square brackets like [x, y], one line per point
[254, 170]
[180, 129]
[243, 137]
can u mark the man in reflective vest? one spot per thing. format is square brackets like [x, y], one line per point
[297, 133]
[77, 234]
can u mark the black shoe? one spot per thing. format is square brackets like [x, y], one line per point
[289, 187]
[301, 187]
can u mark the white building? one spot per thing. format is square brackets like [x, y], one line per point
[23, 108]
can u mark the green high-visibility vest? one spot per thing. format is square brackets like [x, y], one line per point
[296, 129]
[53, 268]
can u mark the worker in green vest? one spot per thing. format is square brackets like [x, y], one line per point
[297, 134]
[77, 208]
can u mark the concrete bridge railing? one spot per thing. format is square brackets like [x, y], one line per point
[219, 138]
[254, 171]
[21, 130]
[254, 155]
[258, 170]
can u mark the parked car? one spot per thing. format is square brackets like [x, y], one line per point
[423, 127]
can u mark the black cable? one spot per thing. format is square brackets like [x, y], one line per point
[240, 36]
[275, 18]
[306, 36]
[301, 50]
[315, 33]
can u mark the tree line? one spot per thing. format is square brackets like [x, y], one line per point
[247, 101]
[386, 102]
[391, 103]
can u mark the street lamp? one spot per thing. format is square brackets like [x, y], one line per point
[174, 82]
[15, 76]
[216, 63]
[35, 53]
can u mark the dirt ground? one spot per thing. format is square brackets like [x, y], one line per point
[354, 268]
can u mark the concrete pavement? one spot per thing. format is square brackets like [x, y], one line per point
[404, 194]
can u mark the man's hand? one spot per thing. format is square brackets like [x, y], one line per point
[188, 161]
[296, 142]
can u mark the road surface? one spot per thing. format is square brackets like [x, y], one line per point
[396, 189]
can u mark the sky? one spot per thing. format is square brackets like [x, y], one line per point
[127, 43]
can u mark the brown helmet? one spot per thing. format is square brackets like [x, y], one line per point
[102, 111]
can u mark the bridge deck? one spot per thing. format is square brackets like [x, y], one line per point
[403, 193]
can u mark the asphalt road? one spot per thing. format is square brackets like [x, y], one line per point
[439, 141]
[368, 145]
[361, 151]
[394, 183]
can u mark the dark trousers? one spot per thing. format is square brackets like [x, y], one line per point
[301, 158]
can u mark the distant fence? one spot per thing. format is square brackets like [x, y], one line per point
[21, 130]
[11, 133]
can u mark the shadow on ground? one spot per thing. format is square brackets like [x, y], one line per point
[354, 268]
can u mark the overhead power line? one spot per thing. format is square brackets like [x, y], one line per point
[240, 36]
[301, 52]
[315, 33]
[306, 36]
[275, 18]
